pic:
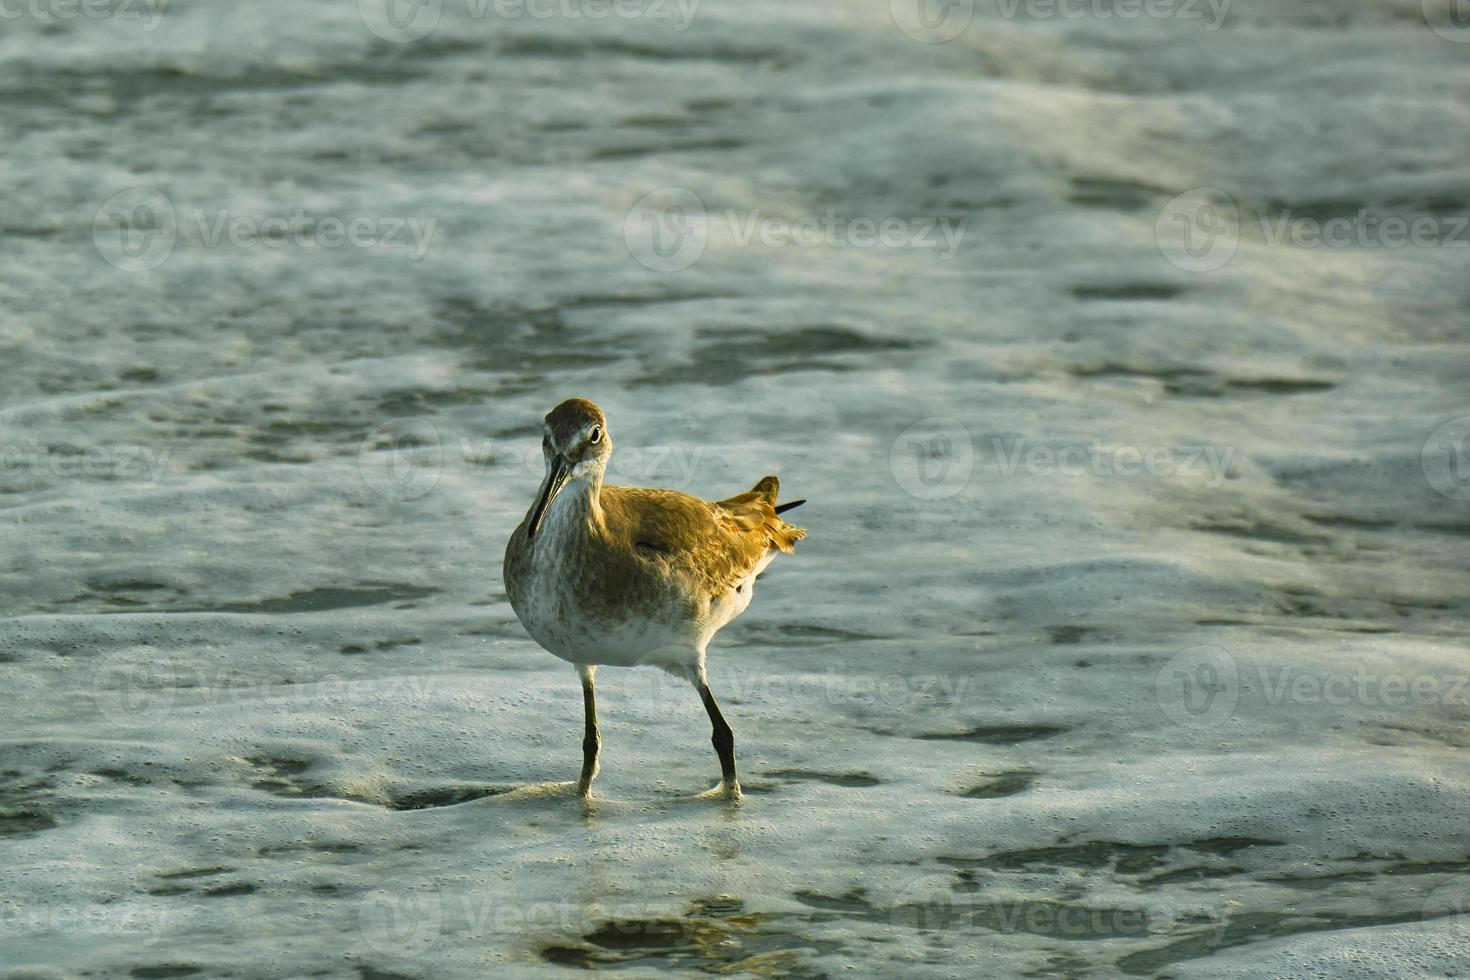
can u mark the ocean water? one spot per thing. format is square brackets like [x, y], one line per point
[1121, 356]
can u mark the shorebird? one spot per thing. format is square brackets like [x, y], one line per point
[624, 576]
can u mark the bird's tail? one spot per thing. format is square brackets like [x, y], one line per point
[768, 487]
[784, 536]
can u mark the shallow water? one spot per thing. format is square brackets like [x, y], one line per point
[1129, 636]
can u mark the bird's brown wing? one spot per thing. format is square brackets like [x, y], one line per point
[715, 545]
[755, 513]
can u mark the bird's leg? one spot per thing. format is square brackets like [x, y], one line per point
[723, 740]
[591, 740]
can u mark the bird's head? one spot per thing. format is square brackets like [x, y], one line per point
[576, 446]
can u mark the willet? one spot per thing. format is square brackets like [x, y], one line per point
[626, 576]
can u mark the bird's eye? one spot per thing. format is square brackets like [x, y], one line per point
[595, 435]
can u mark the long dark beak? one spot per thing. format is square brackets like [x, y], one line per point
[557, 478]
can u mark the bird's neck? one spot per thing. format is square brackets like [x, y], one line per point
[578, 508]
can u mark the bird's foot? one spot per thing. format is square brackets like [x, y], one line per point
[728, 789]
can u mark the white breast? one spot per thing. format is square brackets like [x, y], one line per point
[556, 620]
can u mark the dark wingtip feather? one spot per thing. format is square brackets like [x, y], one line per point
[783, 508]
